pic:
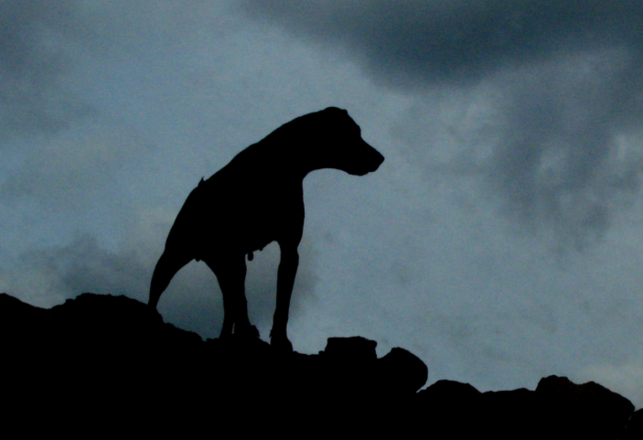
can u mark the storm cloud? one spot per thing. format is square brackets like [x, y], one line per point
[33, 97]
[411, 44]
[49, 275]
[560, 83]
[59, 272]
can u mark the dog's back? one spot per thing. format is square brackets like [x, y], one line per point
[241, 208]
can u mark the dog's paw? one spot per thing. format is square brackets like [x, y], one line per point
[247, 332]
[281, 344]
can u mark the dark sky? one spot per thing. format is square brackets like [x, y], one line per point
[501, 240]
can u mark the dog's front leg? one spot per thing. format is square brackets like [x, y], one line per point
[285, 282]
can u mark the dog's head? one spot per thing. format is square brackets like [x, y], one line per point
[338, 143]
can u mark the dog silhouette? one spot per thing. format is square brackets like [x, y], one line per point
[257, 199]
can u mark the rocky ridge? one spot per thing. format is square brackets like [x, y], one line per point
[111, 357]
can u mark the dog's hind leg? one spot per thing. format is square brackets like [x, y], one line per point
[168, 265]
[231, 274]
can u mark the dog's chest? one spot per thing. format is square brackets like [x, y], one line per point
[258, 212]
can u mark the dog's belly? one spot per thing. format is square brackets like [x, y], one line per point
[236, 236]
[254, 240]
[245, 218]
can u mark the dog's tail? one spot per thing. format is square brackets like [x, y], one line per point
[168, 265]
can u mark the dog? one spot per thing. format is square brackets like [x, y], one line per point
[257, 199]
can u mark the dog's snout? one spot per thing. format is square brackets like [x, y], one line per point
[370, 154]
[379, 159]
[375, 158]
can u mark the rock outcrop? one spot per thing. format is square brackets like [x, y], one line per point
[112, 357]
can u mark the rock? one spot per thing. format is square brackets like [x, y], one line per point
[634, 428]
[98, 353]
[445, 409]
[450, 394]
[510, 414]
[352, 349]
[401, 372]
[583, 411]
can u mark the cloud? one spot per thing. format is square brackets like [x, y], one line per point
[32, 63]
[558, 139]
[566, 152]
[409, 44]
[69, 171]
[47, 276]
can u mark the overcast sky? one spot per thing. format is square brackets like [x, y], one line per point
[501, 240]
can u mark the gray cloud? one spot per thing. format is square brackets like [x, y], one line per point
[69, 170]
[32, 62]
[83, 266]
[409, 44]
[48, 276]
[567, 151]
[562, 128]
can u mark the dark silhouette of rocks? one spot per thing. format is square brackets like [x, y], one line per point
[112, 359]
[579, 404]
[634, 428]
[256, 199]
